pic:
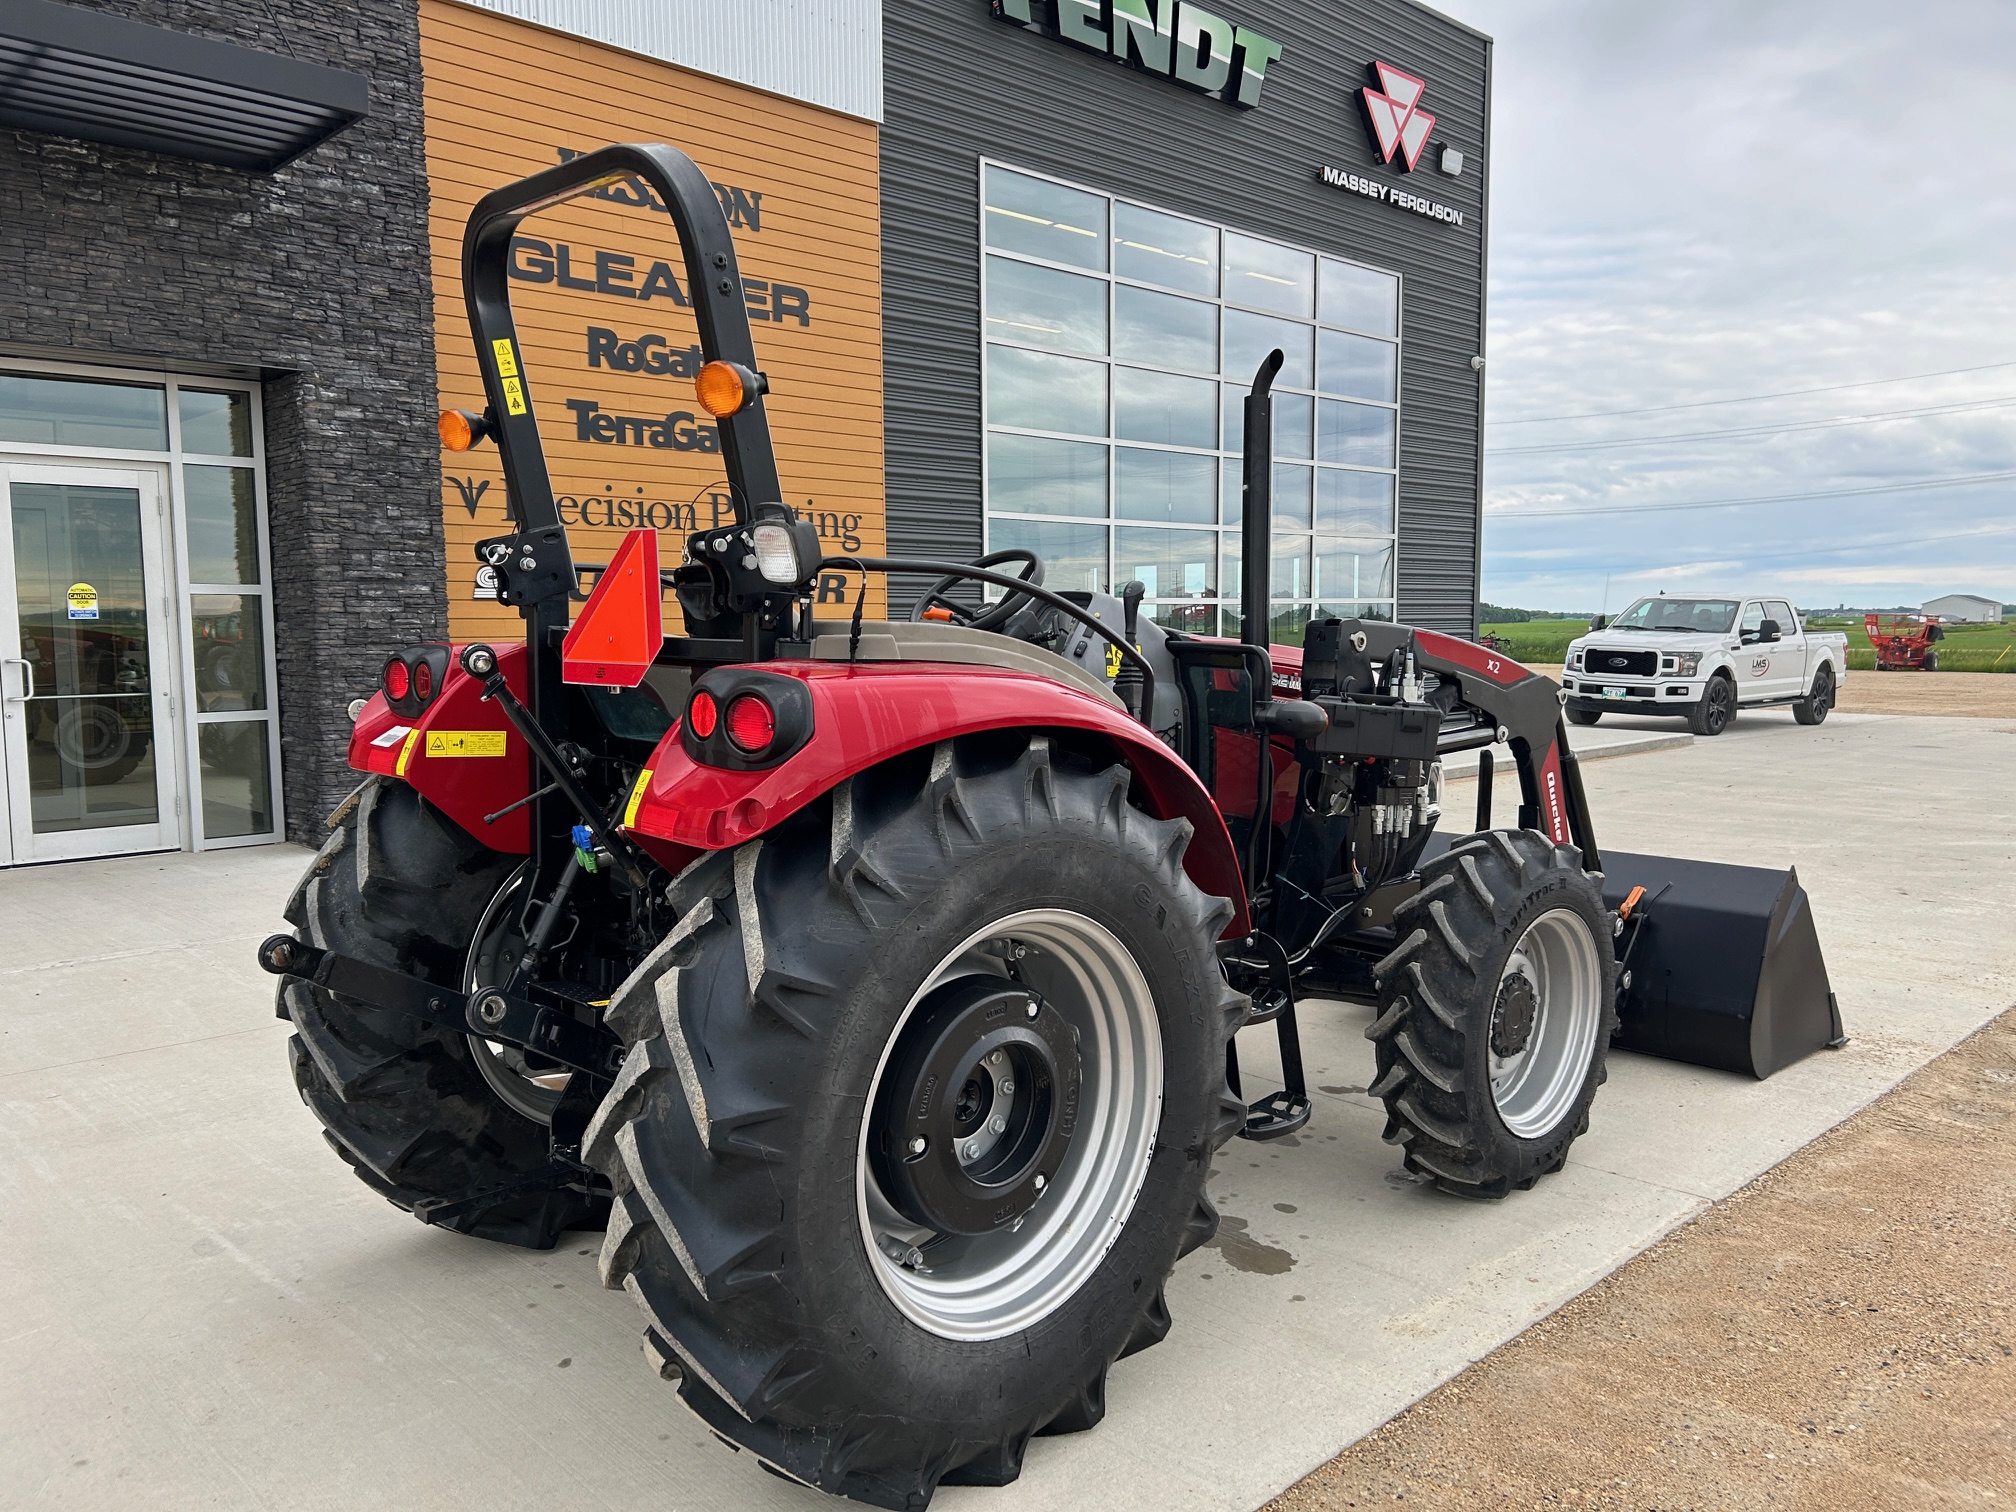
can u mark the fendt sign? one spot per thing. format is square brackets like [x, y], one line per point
[1177, 39]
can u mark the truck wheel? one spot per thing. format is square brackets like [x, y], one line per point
[921, 1096]
[406, 1105]
[1931, 663]
[1495, 1013]
[1812, 709]
[1717, 709]
[1583, 716]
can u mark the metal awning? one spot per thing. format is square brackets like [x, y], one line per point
[80, 73]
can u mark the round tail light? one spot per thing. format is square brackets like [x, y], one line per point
[398, 679]
[423, 682]
[752, 724]
[702, 715]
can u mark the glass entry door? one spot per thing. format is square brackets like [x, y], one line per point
[86, 679]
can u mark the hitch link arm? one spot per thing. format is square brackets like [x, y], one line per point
[488, 1013]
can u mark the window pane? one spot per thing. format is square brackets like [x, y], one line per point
[1347, 611]
[1292, 415]
[1163, 249]
[81, 412]
[1189, 617]
[1163, 407]
[1354, 503]
[1285, 626]
[1074, 556]
[236, 781]
[1360, 298]
[222, 515]
[1228, 573]
[1041, 392]
[216, 425]
[1354, 433]
[1172, 563]
[227, 647]
[1290, 578]
[1042, 307]
[1291, 496]
[1248, 340]
[1175, 486]
[1354, 569]
[1356, 365]
[1045, 220]
[1269, 277]
[1032, 476]
[1164, 330]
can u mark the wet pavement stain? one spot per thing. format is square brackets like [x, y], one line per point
[1341, 1091]
[1245, 1253]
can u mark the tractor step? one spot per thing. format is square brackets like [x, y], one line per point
[1276, 1115]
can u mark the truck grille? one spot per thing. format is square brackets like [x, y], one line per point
[1620, 663]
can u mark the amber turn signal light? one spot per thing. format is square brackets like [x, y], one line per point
[724, 387]
[461, 430]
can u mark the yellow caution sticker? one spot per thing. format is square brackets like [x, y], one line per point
[514, 396]
[1112, 662]
[466, 742]
[83, 601]
[507, 359]
[636, 797]
[406, 753]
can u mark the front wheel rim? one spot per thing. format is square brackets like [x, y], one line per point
[991, 1285]
[1536, 1085]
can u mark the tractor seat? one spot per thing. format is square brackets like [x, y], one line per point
[905, 640]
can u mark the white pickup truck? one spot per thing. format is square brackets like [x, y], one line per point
[1704, 658]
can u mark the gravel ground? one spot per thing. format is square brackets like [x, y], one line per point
[1838, 1334]
[1982, 695]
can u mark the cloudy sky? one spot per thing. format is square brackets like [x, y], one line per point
[1698, 201]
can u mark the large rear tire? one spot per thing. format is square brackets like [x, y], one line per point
[1495, 1013]
[404, 1104]
[780, 1083]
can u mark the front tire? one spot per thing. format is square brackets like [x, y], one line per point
[1812, 709]
[1717, 709]
[817, 1308]
[403, 1103]
[1495, 1013]
[1582, 716]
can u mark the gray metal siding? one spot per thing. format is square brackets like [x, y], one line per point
[959, 86]
[824, 52]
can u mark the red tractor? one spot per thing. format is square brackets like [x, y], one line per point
[1904, 642]
[876, 987]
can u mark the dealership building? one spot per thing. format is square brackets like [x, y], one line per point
[1010, 267]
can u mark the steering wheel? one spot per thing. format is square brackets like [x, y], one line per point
[954, 612]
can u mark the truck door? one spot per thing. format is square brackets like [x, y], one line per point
[1753, 658]
[1791, 658]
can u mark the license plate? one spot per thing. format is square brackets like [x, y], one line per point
[1614, 692]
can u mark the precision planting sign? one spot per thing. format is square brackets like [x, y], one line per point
[605, 320]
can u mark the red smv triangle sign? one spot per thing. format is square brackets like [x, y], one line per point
[622, 625]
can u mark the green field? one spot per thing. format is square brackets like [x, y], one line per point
[1967, 648]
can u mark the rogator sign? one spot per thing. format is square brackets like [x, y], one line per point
[1177, 39]
[604, 316]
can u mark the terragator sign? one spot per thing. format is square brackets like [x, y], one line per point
[1177, 39]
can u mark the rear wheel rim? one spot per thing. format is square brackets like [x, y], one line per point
[1536, 1087]
[987, 1286]
[532, 1093]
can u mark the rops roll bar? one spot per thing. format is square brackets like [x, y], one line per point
[712, 278]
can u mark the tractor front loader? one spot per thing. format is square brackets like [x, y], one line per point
[875, 984]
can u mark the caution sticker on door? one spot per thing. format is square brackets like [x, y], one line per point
[466, 742]
[83, 601]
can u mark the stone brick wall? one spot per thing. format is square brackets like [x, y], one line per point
[318, 277]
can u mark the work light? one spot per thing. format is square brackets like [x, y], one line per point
[786, 548]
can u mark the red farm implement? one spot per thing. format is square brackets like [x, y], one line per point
[1904, 642]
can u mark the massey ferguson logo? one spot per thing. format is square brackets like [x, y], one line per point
[1399, 125]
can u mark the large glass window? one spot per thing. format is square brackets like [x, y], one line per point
[1120, 344]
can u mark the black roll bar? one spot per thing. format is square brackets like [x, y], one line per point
[712, 278]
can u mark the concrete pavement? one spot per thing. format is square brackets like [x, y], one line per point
[205, 1309]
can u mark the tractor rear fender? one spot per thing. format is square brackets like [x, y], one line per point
[865, 713]
[458, 752]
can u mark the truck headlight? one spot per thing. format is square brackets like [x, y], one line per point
[1682, 663]
[1575, 660]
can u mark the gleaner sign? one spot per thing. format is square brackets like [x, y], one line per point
[1174, 38]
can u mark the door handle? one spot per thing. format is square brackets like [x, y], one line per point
[27, 676]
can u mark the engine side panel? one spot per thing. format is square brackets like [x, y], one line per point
[868, 712]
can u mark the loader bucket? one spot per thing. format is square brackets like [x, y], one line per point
[1725, 964]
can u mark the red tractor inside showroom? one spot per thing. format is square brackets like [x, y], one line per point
[875, 985]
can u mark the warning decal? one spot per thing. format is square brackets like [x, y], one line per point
[466, 742]
[83, 601]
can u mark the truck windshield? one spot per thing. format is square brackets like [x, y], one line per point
[1696, 616]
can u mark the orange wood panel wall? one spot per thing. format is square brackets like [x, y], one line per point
[598, 277]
